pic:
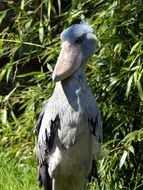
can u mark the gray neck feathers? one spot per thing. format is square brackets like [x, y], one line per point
[72, 84]
[74, 94]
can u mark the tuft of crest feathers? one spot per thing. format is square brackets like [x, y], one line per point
[75, 31]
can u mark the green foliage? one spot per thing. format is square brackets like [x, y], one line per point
[15, 176]
[29, 46]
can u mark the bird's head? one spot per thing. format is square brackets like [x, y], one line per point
[78, 44]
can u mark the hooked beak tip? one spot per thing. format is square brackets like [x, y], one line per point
[55, 78]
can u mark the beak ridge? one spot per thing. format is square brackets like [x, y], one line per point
[68, 62]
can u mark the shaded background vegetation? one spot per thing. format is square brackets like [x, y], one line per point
[29, 46]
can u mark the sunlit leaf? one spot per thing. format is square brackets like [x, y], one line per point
[22, 4]
[2, 15]
[123, 158]
[131, 149]
[41, 32]
[4, 116]
[132, 34]
[140, 90]
[129, 86]
[134, 48]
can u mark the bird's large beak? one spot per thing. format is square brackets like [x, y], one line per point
[68, 62]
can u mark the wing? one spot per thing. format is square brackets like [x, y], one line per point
[97, 138]
[97, 134]
[96, 127]
[39, 121]
[46, 128]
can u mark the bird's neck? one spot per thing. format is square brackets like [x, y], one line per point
[73, 90]
[70, 90]
[77, 78]
[71, 84]
[77, 75]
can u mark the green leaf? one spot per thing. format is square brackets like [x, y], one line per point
[129, 86]
[9, 70]
[1, 48]
[118, 47]
[29, 74]
[135, 77]
[6, 98]
[133, 34]
[59, 6]
[123, 159]
[2, 73]
[22, 4]
[131, 149]
[4, 116]
[135, 47]
[2, 15]
[49, 9]
[41, 32]
[50, 67]
[28, 24]
[140, 90]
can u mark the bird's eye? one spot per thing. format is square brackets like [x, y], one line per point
[78, 41]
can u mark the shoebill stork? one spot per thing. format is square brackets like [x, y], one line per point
[69, 131]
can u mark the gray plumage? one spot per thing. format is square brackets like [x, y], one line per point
[69, 126]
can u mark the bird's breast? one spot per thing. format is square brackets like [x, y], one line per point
[70, 143]
[75, 107]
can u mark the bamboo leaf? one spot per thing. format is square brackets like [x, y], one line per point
[9, 70]
[50, 67]
[123, 159]
[22, 4]
[2, 15]
[41, 32]
[29, 74]
[133, 34]
[118, 47]
[140, 90]
[4, 116]
[49, 9]
[59, 6]
[2, 73]
[131, 149]
[135, 47]
[129, 84]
